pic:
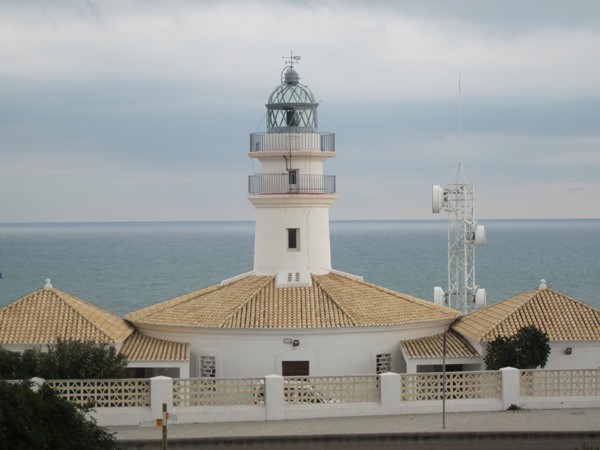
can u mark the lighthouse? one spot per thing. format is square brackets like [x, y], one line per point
[293, 314]
[291, 193]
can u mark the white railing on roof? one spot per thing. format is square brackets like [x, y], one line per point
[459, 385]
[345, 389]
[218, 391]
[116, 393]
[560, 383]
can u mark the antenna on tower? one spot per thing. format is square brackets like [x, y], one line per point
[458, 200]
[460, 142]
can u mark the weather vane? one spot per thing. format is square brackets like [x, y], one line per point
[291, 60]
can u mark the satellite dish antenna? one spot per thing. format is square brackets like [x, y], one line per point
[437, 199]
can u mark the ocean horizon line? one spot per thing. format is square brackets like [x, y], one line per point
[141, 222]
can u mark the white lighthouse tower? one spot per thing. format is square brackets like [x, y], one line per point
[291, 193]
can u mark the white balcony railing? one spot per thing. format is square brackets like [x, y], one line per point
[284, 183]
[318, 141]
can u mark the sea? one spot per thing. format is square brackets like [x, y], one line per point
[123, 267]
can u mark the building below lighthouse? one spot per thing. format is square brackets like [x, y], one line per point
[293, 314]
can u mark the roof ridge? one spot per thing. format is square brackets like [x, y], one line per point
[352, 319]
[75, 303]
[157, 307]
[514, 303]
[568, 297]
[403, 296]
[268, 280]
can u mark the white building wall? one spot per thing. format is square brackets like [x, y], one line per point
[329, 352]
[304, 164]
[584, 355]
[271, 253]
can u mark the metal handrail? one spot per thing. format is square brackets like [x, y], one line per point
[283, 183]
[325, 141]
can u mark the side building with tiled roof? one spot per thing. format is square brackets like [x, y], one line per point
[49, 315]
[572, 326]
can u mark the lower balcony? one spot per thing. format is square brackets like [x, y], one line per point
[291, 183]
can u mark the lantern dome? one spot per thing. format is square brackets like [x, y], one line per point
[291, 107]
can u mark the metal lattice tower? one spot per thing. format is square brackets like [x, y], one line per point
[458, 200]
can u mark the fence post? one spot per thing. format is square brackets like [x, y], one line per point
[161, 391]
[36, 383]
[390, 393]
[274, 401]
[511, 386]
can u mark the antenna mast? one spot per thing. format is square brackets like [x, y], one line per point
[458, 200]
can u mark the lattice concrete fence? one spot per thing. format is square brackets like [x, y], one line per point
[203, 400]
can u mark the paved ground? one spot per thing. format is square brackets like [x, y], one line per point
[341, 432]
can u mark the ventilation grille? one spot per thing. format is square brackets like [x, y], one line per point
[292, 278]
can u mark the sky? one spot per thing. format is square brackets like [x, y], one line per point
[140, 110]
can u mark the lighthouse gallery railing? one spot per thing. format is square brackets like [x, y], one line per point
[320, 140]
[285, 183]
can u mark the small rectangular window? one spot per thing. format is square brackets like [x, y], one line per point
[292, 238]
[208, 366]
[293, 176]
[384, 363]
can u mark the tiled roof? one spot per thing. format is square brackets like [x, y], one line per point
[432, 347]
[47, 315]
[254, 302]
[138, 347]
[561, 317]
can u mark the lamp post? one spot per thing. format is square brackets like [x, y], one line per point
[444, 380]
[444, 340]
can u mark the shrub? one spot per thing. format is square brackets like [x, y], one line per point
[42, 420]
[526, 349]
[65, 360]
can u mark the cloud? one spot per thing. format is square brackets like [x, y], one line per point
[140, 104]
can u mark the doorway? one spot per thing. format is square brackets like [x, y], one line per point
[294, 368]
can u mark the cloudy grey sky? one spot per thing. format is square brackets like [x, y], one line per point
[141, 110]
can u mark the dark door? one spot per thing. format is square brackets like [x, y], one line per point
[294, 368]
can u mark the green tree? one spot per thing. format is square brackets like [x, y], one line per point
[532, 348]
[75, 359]
[10, 362]
[41, 420]
[65, 360]
[527, 349]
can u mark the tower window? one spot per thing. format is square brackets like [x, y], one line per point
[293, 238]
[293, 176]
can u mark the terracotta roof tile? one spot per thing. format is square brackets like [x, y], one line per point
[332, 301]
[45, 316]
[561, 317]
[432, 347]
[139, 347]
